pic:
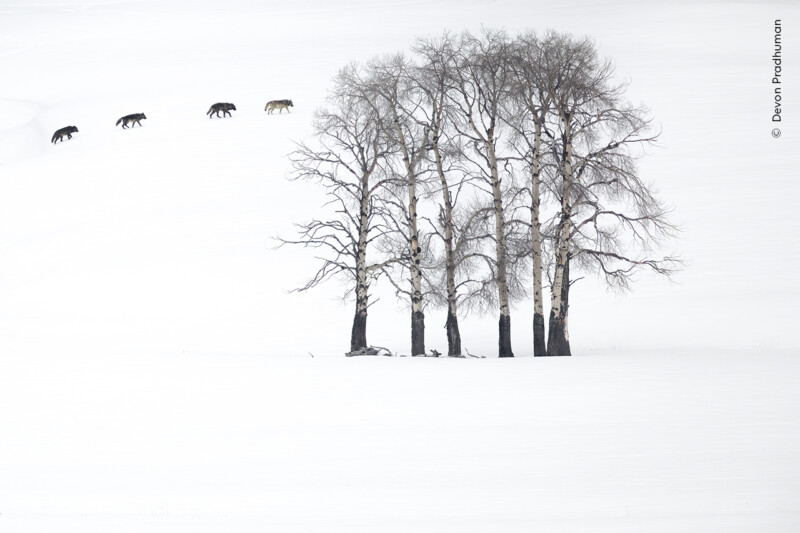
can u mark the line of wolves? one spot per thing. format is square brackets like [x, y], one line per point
[136, 118]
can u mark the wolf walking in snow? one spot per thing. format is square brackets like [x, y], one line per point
[278, 104]
[127, 119]
[224, 107]
[59, 134]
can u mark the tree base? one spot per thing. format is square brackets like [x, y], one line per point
[557, 342]
[358, 337]
[453, 335]
[539, 347]
[417, 333]
[505, 337]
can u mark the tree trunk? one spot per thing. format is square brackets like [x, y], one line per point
[558, 341]
[417, 315]
[539, 348]
[453, 334]
[417, 333]
[558, 337]
[358, 337]
[504, 341]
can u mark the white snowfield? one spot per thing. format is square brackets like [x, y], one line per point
[605, 443]
[155, 373]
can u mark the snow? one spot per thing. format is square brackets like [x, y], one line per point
[598, 443]
[155, 372]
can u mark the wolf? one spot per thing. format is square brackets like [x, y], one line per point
[59, 134]
[127, 119]
[225, 108]
[278, 104]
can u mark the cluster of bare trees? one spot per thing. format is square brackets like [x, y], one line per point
[477, 171]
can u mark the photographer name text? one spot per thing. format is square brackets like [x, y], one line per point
[776, 77]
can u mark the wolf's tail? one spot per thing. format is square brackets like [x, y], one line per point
[117, 124]
[210, 110]
[53, 140]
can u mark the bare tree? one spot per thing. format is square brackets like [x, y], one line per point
[609, 218]
[388, 88]
[479, 86]
[348, 162]
[431, 81]
[530, 105]
[534, 132]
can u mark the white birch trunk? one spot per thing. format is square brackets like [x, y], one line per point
[453, 333]
[539, 347]
[358, 338]
[504, 341]
[417, 315]
[558, 336]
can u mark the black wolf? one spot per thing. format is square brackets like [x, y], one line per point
[127, 119]
[278, 104]
[225, 108]
[59, 134]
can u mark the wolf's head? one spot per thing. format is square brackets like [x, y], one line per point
[291, 104]
[232, 107]
[142, 115]
[72, 129]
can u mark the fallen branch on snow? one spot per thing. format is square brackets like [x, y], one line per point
[475, 356]
[370, 350]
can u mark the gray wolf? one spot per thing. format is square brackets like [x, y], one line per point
[225, 108]
[59, 134]
[278, 104]
[127, 119]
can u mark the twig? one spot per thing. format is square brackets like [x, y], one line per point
[475, 356]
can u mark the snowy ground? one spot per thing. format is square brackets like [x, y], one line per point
[151, 376]
[643, 442]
